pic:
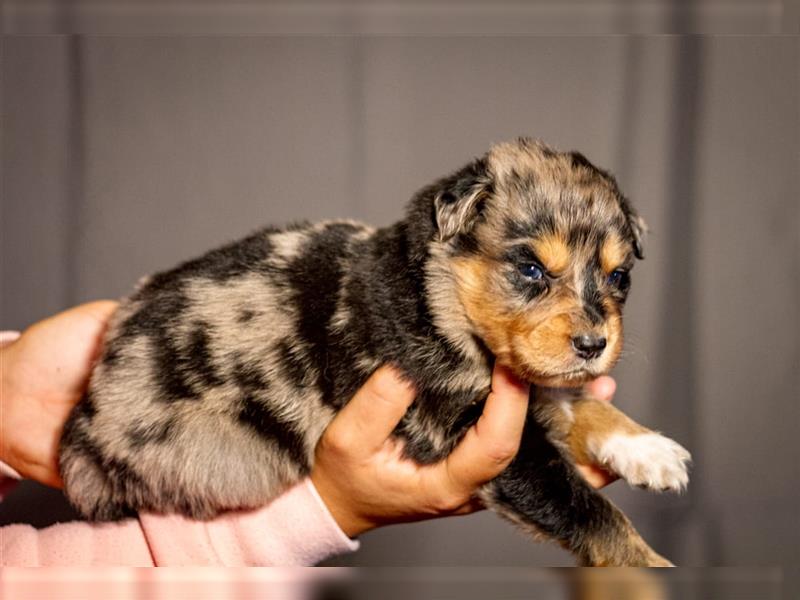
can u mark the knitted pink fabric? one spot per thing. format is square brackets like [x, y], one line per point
[294, 529]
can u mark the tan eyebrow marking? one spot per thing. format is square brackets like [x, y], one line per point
[553, 251]
[613, 253]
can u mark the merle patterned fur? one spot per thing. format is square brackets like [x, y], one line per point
[219, 376]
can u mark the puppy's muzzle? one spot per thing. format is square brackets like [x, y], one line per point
[589, 346]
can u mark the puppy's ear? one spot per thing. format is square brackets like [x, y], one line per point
[638, 228]
[458, 199]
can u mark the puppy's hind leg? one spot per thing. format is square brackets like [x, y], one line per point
[92, 485]
[91, 491]
[542, 492]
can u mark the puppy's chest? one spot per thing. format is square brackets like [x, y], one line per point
[439, 418]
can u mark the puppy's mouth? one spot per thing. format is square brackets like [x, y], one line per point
[574, 377]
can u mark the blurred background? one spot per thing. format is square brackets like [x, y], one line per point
[127, 152]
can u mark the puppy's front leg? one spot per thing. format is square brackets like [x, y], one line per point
[543, 493]
[596, 432]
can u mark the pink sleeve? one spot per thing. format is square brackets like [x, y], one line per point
[294, 529]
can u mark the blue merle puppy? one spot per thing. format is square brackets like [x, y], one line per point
[219, 376]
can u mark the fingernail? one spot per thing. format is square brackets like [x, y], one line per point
[6, 337]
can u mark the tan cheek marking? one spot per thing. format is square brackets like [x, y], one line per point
[612, 253]
[481, 306]
[553, 251]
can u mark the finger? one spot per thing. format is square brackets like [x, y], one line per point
[602, 388]
[100, 310]
[365, 423]
[63, 348]
[472, 505]
[79, 328]
[490, 444]
[595, 476]
[93, 314]
[47, 475]
[504, 382]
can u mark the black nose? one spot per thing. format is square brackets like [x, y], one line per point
[589, 346]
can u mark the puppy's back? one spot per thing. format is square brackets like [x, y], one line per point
[204, 372]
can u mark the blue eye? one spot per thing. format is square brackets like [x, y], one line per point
[532, 271]
[619, 279]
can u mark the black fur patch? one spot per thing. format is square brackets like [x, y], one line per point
[314, 278]
[299, 372]
[582, 235]
[579, 160]
[462, 182]
[245, 315]
[140, 435]
[111, 354]
[86, 407]
[451, 412]
[469, 415]
[160, 306]
[592, 299]
[172, 378]
[466, 244]
[543, 223]
[178, 368]
[390, 318]
[197, 357]
[260, 417]
[249, 377]
[524, 182]
[418, 448]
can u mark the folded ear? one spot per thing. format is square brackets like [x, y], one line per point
[637, 226]
[459, 199]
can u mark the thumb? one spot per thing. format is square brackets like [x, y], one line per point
[369, 418]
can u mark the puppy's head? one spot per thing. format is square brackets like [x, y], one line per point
[538, 246]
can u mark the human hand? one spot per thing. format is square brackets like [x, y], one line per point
[360, 474]
[44, 374]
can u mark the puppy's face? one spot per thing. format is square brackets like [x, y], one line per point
[540, 244]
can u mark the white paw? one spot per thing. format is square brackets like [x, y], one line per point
[647, 460]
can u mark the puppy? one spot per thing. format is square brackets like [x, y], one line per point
[218, 377]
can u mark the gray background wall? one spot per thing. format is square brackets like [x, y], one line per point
[125, 154]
